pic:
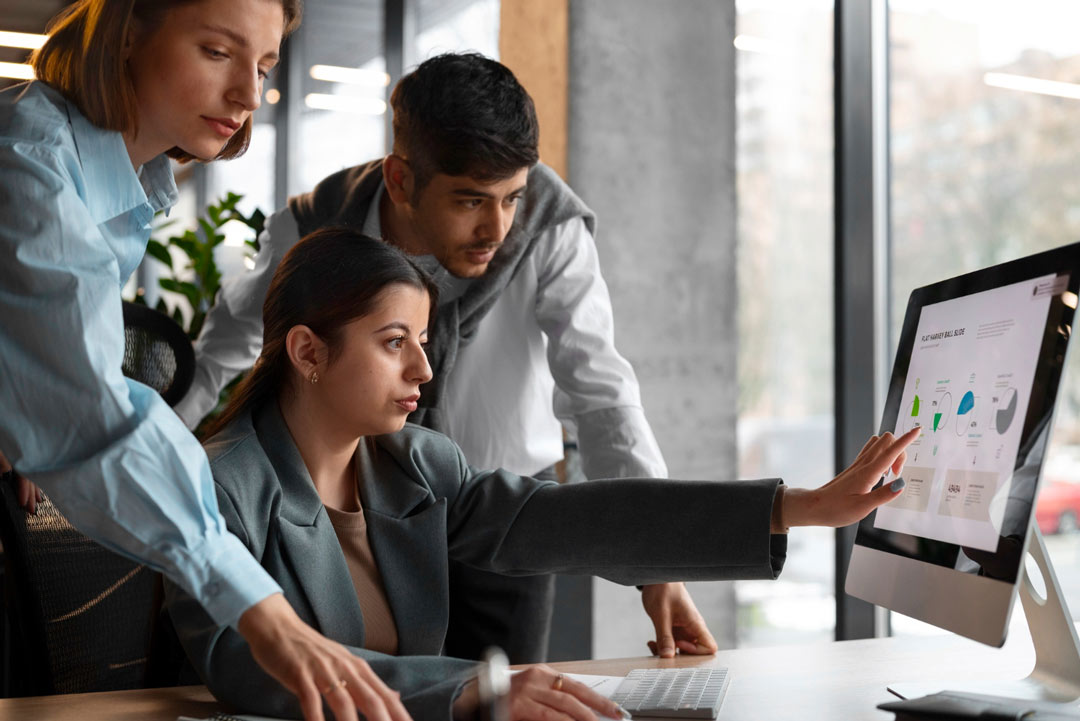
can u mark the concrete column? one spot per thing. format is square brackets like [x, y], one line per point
[652, 149]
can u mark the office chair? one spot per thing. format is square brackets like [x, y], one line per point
[80, 617]
[157, 352]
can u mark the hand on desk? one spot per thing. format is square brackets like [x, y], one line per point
[849, 497]
[541, 692]
[26, 492]
[679, 625]
[313, 667]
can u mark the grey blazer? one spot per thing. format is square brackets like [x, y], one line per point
[423, 505]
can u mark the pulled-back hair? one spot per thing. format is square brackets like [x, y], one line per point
[83, 59]
[464, 114]
[327, 280]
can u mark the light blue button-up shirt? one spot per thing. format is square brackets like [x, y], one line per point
[74, 221]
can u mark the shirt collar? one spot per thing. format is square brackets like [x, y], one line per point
[372, 226]
[112, 185]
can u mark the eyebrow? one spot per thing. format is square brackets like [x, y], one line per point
[398, 325]
[236, 38]
[475, 193]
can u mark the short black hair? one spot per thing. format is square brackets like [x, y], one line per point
[464, 114]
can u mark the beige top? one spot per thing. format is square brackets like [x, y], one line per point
[380, 631]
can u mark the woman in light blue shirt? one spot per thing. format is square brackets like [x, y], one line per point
[123, 85]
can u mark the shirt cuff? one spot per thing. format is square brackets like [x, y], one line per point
[227, 581]
[776, 522]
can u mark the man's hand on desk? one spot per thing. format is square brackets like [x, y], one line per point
[313, 667]
[26, 492]
[678, 623]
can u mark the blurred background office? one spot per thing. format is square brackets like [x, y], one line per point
[772, 178]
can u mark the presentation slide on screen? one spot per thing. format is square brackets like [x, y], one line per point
[968, 387]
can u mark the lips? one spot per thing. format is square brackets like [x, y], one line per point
[409, 404]
[224, 127]
[481, 255]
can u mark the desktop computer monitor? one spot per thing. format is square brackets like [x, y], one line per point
[978, 365]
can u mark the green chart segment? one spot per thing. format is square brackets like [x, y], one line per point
[942, 410]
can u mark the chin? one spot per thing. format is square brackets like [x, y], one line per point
[205, 151]
[468, 270]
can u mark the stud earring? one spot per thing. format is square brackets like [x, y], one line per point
[314, 377]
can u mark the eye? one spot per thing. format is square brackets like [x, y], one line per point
[215, 53]
[513, 199]
[471, 203]
[396, 342]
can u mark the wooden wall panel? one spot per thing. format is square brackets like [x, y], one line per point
[533, 43]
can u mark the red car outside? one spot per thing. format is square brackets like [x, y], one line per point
[1058, 507]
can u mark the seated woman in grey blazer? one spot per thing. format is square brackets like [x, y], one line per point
[355, 513]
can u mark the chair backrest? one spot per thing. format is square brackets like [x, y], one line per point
[157, 352]
[82, 618]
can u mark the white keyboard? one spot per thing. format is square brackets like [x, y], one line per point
[673, 692]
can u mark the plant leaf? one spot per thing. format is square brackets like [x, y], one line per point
[159, 252]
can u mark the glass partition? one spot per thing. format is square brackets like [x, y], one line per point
[784, 149]
[984, 147]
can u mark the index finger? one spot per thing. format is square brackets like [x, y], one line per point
[887, 454]
[390, 699]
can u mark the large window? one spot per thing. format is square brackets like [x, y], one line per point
[784, 146]
[984, 150]
[343, 89]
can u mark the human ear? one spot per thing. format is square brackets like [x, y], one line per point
[131, 38]
[306, 350]
[398, 177]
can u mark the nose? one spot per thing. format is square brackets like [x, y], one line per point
[419, 370]
[496, 224]
[246, 89]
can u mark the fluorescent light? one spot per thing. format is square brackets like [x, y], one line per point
[344, 103]
[350, 76]
[752, 44]
[1027, 84]
[19, 71]
[30, 41]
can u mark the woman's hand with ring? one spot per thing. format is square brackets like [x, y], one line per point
[540, 692]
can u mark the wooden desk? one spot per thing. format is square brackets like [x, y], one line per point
[823, 681]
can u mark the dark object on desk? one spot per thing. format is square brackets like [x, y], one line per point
[82, 618]
[953, 706]
[157, 352]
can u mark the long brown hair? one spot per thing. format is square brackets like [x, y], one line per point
[83, 59]
[330, 278]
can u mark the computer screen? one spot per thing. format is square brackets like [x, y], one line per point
[978, 365]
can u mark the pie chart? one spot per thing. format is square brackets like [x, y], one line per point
[1006, 409]
[942, 409]
[965, 416]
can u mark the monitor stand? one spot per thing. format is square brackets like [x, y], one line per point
[1056, 676]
